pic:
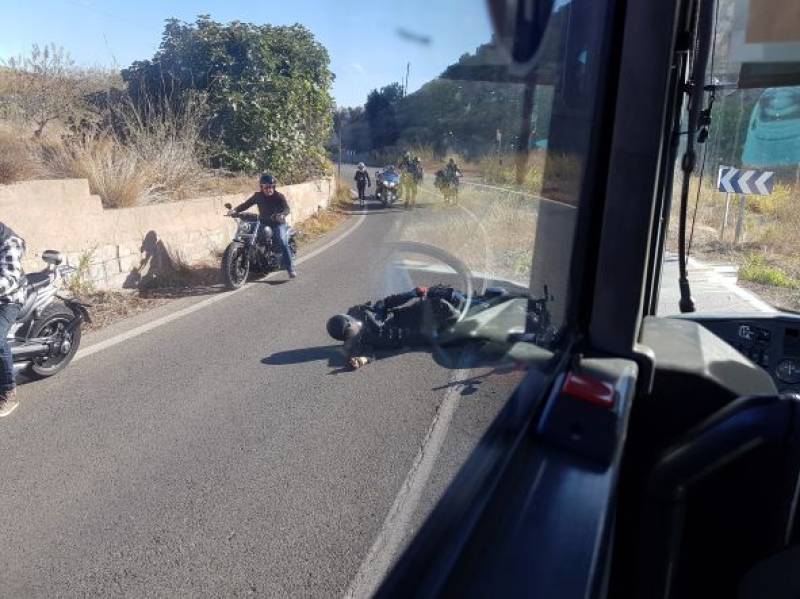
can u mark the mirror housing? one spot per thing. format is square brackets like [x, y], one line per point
[519, 27]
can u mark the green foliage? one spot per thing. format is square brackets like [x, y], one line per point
[267, 90]
[381, 113]
[756, 269]
[459, 112]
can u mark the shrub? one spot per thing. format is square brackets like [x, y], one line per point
[756, 270]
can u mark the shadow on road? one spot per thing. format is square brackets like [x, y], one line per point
[332, 353]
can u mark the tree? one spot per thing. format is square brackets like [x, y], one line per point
[267, 90]
[381, 113]
[45, 86]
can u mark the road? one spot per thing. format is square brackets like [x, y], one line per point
[216, 446]
[226, 453]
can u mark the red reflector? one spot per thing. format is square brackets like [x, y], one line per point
[589, 389]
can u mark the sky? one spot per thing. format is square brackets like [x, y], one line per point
[366, 40]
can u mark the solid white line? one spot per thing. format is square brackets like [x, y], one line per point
[392, 535]
[141, 330]
[731, 285]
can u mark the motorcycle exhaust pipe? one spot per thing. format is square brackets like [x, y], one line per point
[28, 351]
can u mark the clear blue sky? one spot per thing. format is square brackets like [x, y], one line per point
[366, 50]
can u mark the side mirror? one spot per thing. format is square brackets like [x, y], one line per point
[519, 27]
[227, 205]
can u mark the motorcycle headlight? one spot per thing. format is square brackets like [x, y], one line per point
[247, 227]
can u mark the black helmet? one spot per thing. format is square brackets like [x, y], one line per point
[343, 327]
[267, 179]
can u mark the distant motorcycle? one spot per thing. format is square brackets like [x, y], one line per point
[447, 186]
[387, 187]
[47, 332]
[252, 249]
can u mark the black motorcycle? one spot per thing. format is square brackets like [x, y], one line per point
[252, 249]
[47, 332]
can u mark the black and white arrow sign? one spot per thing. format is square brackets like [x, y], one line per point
[748, 182]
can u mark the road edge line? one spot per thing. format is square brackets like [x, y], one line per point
[147, 327]
[392, 535]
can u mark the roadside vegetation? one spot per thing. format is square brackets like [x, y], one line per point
[153, 132]
[767, 251]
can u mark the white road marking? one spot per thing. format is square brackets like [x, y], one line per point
[392, 535]
[727, 278]
[145, 328]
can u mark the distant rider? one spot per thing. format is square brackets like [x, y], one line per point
[452, 172]
[12, 295]
[362, 181]
[273, 210]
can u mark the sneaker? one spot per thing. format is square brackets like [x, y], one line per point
[292, 274]
[8, 402]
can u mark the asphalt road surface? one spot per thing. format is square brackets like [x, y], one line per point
[228, 453]
[217, 446]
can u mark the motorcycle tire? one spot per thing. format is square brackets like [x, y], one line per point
[54, 318]
[235, 266]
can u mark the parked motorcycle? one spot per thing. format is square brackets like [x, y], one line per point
[47, 332]
[387, 187]
[252, 249]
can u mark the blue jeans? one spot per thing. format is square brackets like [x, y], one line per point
[280, 233]
[8, 315]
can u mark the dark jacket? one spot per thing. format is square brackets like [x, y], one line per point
[269, 207]
[402, 320]
[362, 177]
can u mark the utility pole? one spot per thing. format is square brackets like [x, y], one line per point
[405, 87]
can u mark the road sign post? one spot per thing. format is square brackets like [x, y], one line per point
[740, 221]
[725, 217]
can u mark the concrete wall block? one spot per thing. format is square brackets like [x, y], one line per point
[62, 214]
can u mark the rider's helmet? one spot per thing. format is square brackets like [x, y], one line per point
[343, 327]
[267, 179]
[361, 166]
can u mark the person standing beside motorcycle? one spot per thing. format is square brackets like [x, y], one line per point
[12, 295]
[362, 181]
[273, 209]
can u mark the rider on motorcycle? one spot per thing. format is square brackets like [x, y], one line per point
[362, 181]
[452, 171]
[273, 209]
[12, 295]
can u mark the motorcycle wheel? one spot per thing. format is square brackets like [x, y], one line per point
[235, 266]
[54, 321]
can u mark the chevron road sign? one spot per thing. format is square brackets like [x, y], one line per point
[748, 182]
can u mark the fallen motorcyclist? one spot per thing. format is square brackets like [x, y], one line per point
[404, 320]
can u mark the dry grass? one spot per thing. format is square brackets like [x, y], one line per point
[321, 223]
[17, 158]
[156, 161]
[500, 243]
[767, 254]
[109, 307]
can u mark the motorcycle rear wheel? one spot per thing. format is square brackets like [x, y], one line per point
[235, 266]
[53, 321]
